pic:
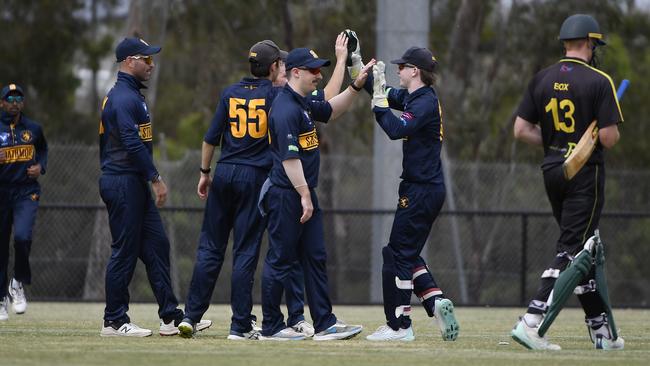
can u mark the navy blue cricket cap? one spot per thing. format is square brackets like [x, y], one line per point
[304, 57]
[11, 88]
[418, 56]
[134, 46]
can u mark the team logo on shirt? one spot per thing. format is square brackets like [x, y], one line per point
[308, 140]
[26, 136]
[403, 202]
[34, 196]
[566, 68]
[146, 134]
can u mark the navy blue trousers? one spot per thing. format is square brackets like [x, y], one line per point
[18, 206]
[289, 240]
[232, 205]
[137, 231]
[404, 270]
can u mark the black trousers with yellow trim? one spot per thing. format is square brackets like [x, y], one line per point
[577, 205]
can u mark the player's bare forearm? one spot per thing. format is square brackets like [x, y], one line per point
[609, 136]
[295, 173]
[343, 101]
[207, 151]
[527, 132]
[333, 86]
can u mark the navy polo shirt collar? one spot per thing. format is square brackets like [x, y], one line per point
[299, 98]
[420, 91]
[256, 81]
[130, 80]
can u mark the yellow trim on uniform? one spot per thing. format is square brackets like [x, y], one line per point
[593, 209]
[620, 112]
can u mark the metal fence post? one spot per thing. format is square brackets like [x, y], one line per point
[524, 257]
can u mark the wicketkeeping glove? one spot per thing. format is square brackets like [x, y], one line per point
[354, 62]
[379, 92]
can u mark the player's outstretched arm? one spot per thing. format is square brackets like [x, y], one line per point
[333, 86]
[527, 132]
[342, 102]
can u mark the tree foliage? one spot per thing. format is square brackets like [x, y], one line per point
[488, 50]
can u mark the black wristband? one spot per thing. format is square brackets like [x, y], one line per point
[355, 87]
[205, 171]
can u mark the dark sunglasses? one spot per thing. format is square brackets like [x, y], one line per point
[147, 59]
[314, 71]
[15, 98]
[402, 66]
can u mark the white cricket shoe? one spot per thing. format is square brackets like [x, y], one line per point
[286, 334]
[251, 335]
[170, 329]
[125, 330]
[529, 338]
[386, 333]
[304, 328]
[446, 320]
[338, 331]
[600, 333]
[4, 314]
[17, 293]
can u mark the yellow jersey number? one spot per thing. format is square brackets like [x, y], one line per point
[241, 111]
[568, 108]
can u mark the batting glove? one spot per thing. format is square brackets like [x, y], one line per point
[379, 92]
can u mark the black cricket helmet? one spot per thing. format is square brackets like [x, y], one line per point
[581, 26]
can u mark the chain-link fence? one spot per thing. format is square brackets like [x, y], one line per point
[491, 250]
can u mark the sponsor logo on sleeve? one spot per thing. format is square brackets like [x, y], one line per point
[309, 140]
[145, 132]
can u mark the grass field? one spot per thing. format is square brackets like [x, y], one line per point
[68, 334]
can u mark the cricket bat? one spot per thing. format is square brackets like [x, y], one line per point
[587, 143]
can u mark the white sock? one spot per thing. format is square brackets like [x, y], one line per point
[532, 320]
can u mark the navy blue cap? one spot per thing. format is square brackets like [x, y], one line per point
[418, 56]
[11, 88]
[304, 57]
[134, 46]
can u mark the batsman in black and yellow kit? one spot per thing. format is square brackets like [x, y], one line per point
[560, 103]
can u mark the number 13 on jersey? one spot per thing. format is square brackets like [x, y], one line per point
[247, 117]
[566, 106]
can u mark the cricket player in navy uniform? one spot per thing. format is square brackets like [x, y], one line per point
[240, 127]
[560, 103]
[23, 158]
[295, 219]
[421, 195]
[126, 157]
